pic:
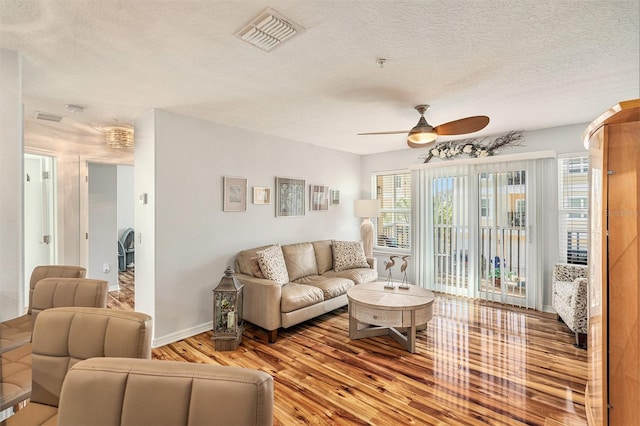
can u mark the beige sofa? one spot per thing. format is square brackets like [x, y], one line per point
[64, 336]
[112, 391]
[318, 275]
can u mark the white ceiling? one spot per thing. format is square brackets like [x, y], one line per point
[526, 64]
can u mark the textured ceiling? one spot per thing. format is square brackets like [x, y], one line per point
[526, 64]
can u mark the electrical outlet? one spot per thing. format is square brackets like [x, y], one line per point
[106, 268]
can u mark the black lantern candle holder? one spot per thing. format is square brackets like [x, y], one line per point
[227, 312]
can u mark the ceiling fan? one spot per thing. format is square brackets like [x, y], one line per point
[423, 134]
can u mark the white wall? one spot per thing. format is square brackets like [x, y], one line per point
[194, 239]
[562, 140]
[11, 189]
[103, 234]
[126, 215]
[68, 181]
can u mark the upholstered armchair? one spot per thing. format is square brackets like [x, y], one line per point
[15, 364]
[64, 336]
[570, 299]
[17, 331]
[112, 391]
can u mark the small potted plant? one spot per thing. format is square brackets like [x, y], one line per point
[494, 275]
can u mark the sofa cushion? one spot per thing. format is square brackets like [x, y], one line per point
[324, 255]
[297, 296]
[37, 414]
[255, 268]
[272, 264]
[331, 287]
[243, 260]
[357, 275]
[300, 260]
[15, 371]
[348, 255]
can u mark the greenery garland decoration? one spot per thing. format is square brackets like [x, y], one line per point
[473, 147]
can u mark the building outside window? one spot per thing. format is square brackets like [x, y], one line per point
[393, 227]
[484, 207]
[573, 181]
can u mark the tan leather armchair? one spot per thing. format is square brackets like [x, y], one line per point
[15, 364]
[17, 331]
[64, 336]
[116, 391]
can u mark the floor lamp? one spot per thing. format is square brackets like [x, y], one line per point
[367, 209]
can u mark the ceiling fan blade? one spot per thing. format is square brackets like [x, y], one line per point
[385, 133]
[462, 126]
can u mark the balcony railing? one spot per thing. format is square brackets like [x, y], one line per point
[501, 260]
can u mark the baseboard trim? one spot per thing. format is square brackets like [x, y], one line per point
[549, 309]
[182, 334]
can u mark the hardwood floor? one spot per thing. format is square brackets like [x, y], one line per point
[477, 363]
[123, 298]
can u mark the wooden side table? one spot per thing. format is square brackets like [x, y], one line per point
[375, 311]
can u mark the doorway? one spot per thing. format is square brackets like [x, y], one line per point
[40, 236]
[107, 210]
[476, 237]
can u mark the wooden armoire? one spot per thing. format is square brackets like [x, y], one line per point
[613, 388]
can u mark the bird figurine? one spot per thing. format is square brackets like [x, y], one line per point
[403, 270]
[387, 267]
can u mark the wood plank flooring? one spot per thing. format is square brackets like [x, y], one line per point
[477, 363]
[123, 298]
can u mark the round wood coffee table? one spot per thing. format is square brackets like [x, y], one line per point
[375, 311]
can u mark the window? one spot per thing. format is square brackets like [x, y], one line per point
[484, 207]
[393, 227]
[573, 186]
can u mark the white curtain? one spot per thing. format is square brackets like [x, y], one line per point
[475, 230]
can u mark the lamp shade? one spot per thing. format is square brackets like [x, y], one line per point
[367, 208]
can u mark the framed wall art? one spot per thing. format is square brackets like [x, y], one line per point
[318, 197]
[289, 197]
[335, 196]
[235, 194]
[261, 195]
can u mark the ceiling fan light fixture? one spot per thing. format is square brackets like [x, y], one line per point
[422, 133]
[119, 137]
[422, 136]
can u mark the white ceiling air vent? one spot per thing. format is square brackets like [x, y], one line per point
[39, 115]
[268, 30]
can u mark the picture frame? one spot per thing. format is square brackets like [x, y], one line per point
[318, 197]
[290, 197]
[335, 197]
[235, 194]
[261, 195]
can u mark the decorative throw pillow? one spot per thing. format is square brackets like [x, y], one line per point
[348, 255]
[272, 264]
[255, 268]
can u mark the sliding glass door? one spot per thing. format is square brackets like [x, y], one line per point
[451, 236]
[474, 236]
[502, 236]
